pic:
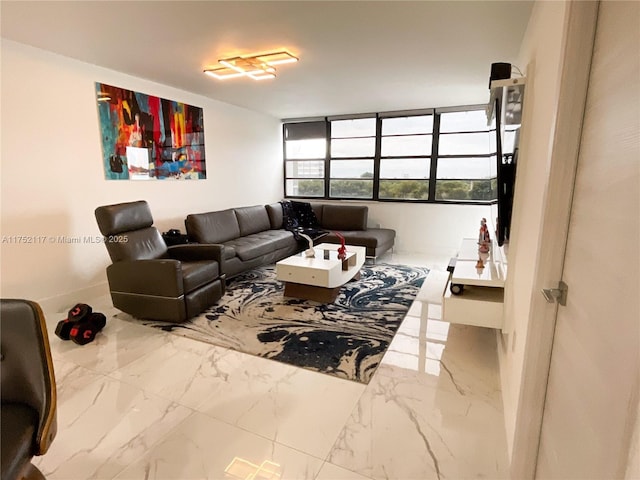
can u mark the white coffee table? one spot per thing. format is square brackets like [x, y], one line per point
[319, 278]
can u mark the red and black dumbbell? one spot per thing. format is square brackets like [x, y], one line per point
[98, 320]
[85, 331]
[78, 313]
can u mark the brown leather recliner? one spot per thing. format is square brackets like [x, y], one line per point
[28, 410]
[150, 280]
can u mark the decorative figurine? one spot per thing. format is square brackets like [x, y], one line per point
[309, 252]
[342, 250]
[484, 241]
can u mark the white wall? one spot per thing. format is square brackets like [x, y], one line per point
[540, 60]
[436, 229]
[52, 176]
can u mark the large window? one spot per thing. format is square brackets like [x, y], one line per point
[305, 151]
[353, 148]
[405, 157]
[444, 155]
[466, 165]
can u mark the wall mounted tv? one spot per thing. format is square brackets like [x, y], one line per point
[507, 138]
[505, 106]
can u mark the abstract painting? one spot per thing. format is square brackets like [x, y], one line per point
[149, 138]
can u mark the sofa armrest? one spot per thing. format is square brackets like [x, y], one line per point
[158, 277]
[196, 252]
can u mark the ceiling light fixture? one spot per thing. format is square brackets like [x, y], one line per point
[257, 67]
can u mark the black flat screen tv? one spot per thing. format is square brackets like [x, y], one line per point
[506, 173]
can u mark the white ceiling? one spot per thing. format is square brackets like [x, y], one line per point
[355, 56]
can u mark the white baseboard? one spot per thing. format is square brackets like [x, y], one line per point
[63, 302]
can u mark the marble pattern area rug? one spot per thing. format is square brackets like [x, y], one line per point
[346, 338]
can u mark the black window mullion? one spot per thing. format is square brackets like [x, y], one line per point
[466, 131]
[376, 159]
[391, 135]
[396, 157]
[434, 157]
[284, 164]
[327, 159]
[468, 155]
[352, 138]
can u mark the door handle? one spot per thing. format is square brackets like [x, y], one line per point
[558, 294]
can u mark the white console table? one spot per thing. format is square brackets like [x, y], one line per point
[480, 301]
[481, 290]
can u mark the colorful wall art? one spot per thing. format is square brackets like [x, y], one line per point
[149, 138]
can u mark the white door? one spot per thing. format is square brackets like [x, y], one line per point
[592, 394]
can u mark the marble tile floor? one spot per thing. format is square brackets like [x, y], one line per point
[138, 403]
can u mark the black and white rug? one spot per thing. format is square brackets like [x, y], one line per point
[346, 338]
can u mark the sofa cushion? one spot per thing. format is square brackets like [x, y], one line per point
[344, 217]
[372, 238]
[317, 209]
[212, 227]
[274, 210]
[252, 219]
[281, 238]
[229, 250]
[262, 243]
[196, 274]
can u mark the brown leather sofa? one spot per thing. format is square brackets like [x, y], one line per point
[254, 236]
[250, 236]
[147, 279]
[351, 222]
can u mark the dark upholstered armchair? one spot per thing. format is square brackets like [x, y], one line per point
[28, 410]
[150, 280]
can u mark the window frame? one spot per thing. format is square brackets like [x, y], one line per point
[329, 178]
[428, 156]
[432, 157]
